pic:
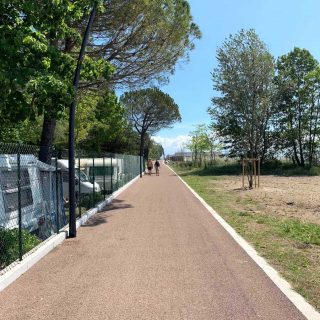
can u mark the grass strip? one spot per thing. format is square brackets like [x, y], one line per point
[290, 245]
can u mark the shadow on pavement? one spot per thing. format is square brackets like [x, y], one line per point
[101, 218]
[117, 204]
[95, 221]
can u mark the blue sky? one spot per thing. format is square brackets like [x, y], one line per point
[281, 24]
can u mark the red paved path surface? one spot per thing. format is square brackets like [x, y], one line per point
[156, 253]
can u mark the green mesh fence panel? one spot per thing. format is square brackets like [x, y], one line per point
[34, 196]
[31, 201]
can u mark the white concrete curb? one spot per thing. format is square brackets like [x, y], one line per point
[301, 304]
[15, 272]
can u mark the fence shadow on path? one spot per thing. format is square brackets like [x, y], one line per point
[95, 221]
[117, 204]
[102, 216]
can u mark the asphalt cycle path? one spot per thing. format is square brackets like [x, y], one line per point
[155, 253]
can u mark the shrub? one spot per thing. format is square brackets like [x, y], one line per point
[9, 245]
[89, 200]
[314, 171]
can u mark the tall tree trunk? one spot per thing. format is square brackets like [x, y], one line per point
[49, 124]
[300, 136]
[295, 154]
[47, 137]
[251, 164]
[301, 153]
[313, 133]
[292, 137]
[293, 141]
[48, 128]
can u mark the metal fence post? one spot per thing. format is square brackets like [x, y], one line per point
[104, 178]
[72, 116]
[111, 175]
[117, 174]
[57, 197]
[123, 181]
[79, 185]
[93, 183]
[125, 165]
[144, 163]
[19, 202]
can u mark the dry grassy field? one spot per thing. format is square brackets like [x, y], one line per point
[297, 197]
[281, 219]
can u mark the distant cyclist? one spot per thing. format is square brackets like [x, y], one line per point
[157, 166]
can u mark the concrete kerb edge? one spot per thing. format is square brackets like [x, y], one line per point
[14, 273]
[298, 301]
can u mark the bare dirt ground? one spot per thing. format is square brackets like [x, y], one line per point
[285, 196]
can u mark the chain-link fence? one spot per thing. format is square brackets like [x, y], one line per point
[34, 196]
[31, 206]
[97, 176]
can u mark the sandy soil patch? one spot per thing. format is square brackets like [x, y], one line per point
[297, 197]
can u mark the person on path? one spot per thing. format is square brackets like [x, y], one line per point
[149, 166]
[157, 166]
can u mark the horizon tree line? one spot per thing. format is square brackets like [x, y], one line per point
[266, 107]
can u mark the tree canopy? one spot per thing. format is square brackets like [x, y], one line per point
[242, 109]
[155, 150]
[266, 109]
[297, 81]
[109, 123]
[37, 67]
[137, 42]
[203, 141]
[144, 40]
[149, 110]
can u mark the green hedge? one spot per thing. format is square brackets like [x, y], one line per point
[9, 245]
[90, 200]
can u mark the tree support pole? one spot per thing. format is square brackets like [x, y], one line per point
[243, 174]
[254, 162]
[72, 208]
[258, 172]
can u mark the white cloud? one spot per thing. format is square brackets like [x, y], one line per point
[172, 144]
